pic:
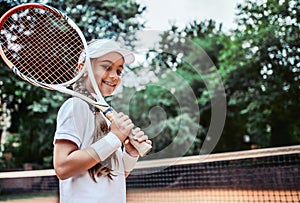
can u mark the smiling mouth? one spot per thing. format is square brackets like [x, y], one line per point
[109, 83]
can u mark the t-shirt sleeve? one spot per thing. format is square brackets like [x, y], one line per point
[72, 119]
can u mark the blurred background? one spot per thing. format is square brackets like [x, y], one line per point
[249, 74]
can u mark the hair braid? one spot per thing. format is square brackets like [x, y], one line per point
[104, 167]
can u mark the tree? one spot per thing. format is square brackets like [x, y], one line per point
[262, 62]
[169, 108]
[259, 62]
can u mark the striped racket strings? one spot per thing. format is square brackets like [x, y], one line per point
[41, 45]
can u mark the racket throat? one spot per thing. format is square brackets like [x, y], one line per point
[106, 110]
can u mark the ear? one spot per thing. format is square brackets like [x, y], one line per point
[80, 67]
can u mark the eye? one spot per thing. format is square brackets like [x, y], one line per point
[106, 67]
[119, 72]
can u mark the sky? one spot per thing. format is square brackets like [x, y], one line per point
[161, 13]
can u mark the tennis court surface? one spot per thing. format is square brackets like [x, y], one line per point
[251, 176]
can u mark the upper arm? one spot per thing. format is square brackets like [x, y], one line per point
[73, 122]
[62, 149]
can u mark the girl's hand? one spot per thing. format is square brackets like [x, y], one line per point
[121, 126]
[139, 136]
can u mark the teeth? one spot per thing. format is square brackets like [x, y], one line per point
[110, 84]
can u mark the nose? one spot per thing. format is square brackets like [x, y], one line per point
[113, 74]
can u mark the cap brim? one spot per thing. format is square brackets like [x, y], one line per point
[101, 47]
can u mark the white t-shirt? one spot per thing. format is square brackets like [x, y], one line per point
[75, 122]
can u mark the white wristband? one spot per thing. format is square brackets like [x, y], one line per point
[106, 146]
[129, 161]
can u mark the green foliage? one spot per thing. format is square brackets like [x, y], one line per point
[193, 54]
[262, 65]
[259, 64]
[33, 114]
[104, 18]
[162, 109]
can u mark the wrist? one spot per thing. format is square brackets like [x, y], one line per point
[129, 161]
[106, 146]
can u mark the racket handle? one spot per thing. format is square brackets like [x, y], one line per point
[142, 147]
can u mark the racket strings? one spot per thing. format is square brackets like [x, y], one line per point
[59, 75]
[62, 49]
[42, 45]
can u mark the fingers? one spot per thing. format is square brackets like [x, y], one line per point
[140, 136]
[123, 119]
[126, 142]
[130, 148]
[137, 135]
[121, 125]
[149, 142]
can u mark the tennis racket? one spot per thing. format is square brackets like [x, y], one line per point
[43, 46]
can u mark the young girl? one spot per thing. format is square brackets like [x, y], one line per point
[88, 157]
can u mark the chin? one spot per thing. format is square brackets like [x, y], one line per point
[107, 94]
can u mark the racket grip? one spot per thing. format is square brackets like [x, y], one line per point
[142, 147]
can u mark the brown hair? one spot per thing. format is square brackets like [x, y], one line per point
[104, 167]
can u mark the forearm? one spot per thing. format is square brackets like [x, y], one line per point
[129, 162]
[69, 161]
[72, 163]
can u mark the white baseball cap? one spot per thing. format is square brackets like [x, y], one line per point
[101, 47]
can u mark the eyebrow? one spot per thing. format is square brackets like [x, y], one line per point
[106, 60]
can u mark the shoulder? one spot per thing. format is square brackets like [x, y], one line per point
[74, 107]
[74, 103]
